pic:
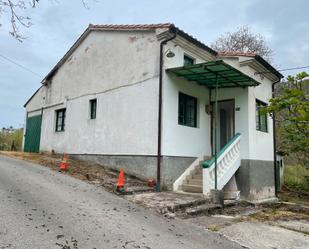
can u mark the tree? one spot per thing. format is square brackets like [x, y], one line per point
[291, 109]
[13, 10]
[243, 40]
[11, 139]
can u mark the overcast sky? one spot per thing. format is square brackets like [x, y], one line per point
[57, 24]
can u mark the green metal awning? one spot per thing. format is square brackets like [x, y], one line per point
[213, 72]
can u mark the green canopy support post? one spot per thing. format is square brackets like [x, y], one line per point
[215, 130]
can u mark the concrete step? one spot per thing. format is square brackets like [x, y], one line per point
[195, 181]
[192, 188]
[197, 176]
[198, 170]
[194, 176]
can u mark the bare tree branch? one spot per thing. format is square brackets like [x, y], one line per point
[14, 9]
[243, 40]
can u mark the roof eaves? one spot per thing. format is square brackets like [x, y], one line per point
[193, 40]
[268, 66]
[257, 57]
[33, 96]
[66, 55]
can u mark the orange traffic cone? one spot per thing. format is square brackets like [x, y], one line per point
[64, 163]
[120, 183]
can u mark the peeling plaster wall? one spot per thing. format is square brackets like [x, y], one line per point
[124, 124]
[121, 70]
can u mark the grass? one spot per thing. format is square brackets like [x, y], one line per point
[297, 177]
[214, 228]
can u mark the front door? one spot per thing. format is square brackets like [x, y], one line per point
[225, 122]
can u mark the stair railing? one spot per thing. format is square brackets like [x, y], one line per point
[228, 161]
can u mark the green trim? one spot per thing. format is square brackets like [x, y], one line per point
[60, 120]
[214, 72]
[208, 163]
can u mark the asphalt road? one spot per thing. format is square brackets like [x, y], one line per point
[40, 208]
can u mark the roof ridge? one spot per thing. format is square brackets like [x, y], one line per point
[237, 53]
[132, 26]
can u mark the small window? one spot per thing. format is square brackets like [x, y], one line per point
[261, 118]
[60, 119]
[187, 110]
[187, 61]
[93, 108]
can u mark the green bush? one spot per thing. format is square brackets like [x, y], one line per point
[297, 177]
[11, 140]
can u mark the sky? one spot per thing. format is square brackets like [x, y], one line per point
[58, 23]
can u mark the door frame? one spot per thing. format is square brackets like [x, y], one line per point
[212, 103]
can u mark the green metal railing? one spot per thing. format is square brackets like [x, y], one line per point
[210, 162]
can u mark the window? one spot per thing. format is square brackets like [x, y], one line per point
[261, 118]
[187, 110]
[60, 119]
[93, 108]
[187, 61]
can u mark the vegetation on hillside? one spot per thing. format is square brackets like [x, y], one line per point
[297, 177]
[11, 139]
[291, 110]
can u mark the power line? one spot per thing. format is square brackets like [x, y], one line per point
[293, 68]
[21, 66]
[280, 70]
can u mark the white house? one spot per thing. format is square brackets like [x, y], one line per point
[143, 97]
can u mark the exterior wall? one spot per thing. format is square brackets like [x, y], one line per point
[125, 124]
[179, 140]
[255, 177]
[120, 69]
[260, 144]
[143, 167]
[37, 101]
[255, 180]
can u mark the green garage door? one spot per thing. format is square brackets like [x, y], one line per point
[33, 134]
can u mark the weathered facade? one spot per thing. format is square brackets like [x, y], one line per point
[121, 67]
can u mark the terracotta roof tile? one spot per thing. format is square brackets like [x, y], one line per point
[132, 26]
[227, 53]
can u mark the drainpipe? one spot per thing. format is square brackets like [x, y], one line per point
[274, 138]
[160, 109]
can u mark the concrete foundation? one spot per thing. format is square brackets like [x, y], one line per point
[143, 167]
[255, 180]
